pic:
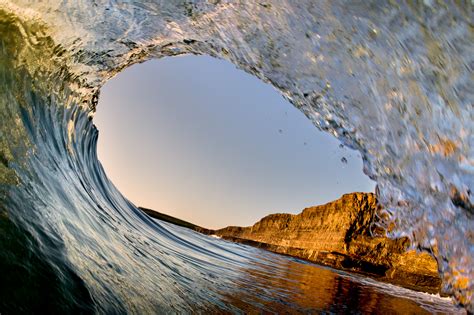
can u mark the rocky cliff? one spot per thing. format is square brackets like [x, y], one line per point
[339, 234]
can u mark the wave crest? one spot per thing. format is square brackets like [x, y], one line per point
[393, 81]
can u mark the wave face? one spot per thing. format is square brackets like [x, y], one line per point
[393, 81]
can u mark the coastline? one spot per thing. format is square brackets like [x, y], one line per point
[338, 235]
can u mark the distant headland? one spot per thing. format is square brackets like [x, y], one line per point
[341, 234]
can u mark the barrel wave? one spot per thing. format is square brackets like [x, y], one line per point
[391, 80]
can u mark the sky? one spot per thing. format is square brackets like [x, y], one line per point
[196, 138]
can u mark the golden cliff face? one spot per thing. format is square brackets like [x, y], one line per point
[338, 234]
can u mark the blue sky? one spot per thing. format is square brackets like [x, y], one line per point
[196, 138]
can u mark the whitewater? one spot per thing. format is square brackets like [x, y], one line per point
[392, 80]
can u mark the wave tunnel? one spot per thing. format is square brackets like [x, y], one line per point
[392, 80]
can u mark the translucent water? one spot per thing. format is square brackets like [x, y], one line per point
[392, 80]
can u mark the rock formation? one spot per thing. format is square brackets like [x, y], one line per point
[340, 234]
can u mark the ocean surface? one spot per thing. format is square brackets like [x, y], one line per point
[392, 80]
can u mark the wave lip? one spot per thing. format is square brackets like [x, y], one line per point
[393, 81]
